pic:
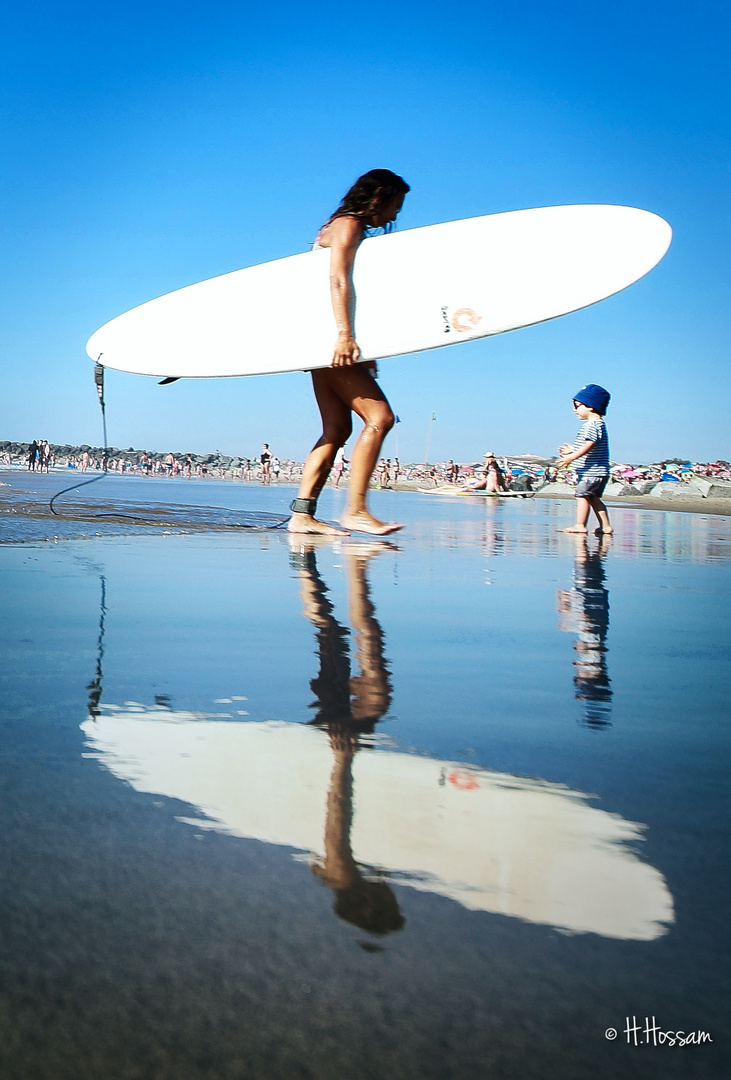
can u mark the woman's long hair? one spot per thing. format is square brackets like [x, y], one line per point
[369, 193]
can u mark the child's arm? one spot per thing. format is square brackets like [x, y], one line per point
[568, 454]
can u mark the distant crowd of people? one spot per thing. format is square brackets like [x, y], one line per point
[493, 474]
[266, 469]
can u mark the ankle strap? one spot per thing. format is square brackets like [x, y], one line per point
[303, 506]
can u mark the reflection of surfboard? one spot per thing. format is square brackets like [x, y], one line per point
[416, 290]
[490, 841]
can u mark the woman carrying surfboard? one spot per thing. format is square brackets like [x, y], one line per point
[347, 386]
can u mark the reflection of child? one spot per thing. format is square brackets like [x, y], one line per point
[591, 451]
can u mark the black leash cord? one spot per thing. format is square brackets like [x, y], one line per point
[99, 380]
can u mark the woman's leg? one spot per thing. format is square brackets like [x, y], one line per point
[336, 429]
[357, 388]
[340, 391]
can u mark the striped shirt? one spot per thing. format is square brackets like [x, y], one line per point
[596, 461]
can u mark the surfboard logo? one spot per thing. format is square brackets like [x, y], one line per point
[465, 319]
[462, 320]
[463, 780]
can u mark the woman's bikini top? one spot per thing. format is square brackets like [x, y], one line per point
[317, 245]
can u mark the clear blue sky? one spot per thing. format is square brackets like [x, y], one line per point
[149, 145]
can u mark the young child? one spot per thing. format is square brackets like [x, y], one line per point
[591, 453]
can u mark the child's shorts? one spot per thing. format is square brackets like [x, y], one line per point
[592, 487]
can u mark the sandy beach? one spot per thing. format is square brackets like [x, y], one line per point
[677, 504]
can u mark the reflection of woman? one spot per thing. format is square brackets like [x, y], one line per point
[348, 706]
[346, 703]
[348, 386]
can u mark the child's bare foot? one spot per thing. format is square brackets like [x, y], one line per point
[306, 523]
[362, 521]
[604, 532]
[581, 530]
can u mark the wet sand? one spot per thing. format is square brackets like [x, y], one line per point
[135, 504]
[450, 807]
[675, 504]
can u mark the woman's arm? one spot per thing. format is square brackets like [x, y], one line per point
[345, 234]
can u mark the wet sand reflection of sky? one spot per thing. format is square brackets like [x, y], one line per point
[346, 809]
[367, 817]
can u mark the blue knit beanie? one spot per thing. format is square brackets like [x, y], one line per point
[596, 397]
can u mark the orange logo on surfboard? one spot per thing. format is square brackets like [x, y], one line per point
[463, 780]
[465, 319]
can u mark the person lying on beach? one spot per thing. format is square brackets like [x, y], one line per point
[349, 386]
[492, 480]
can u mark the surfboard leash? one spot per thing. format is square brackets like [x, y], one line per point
[99, 382]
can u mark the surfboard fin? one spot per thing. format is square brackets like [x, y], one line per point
[170, 378]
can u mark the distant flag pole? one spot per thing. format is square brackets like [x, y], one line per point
[428, 438]
[398, 421]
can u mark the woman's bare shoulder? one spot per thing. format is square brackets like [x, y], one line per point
[341, 230]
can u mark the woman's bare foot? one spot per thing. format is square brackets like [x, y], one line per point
[364, 522]
[305, 523]
[603, 532]
[581, 530]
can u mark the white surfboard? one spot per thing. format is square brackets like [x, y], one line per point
[415, 290]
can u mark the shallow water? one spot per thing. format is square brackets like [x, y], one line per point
[448, 807]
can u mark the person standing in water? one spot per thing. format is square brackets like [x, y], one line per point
[349, 386]
[266, 463]
[339, 466]
[591, 452]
